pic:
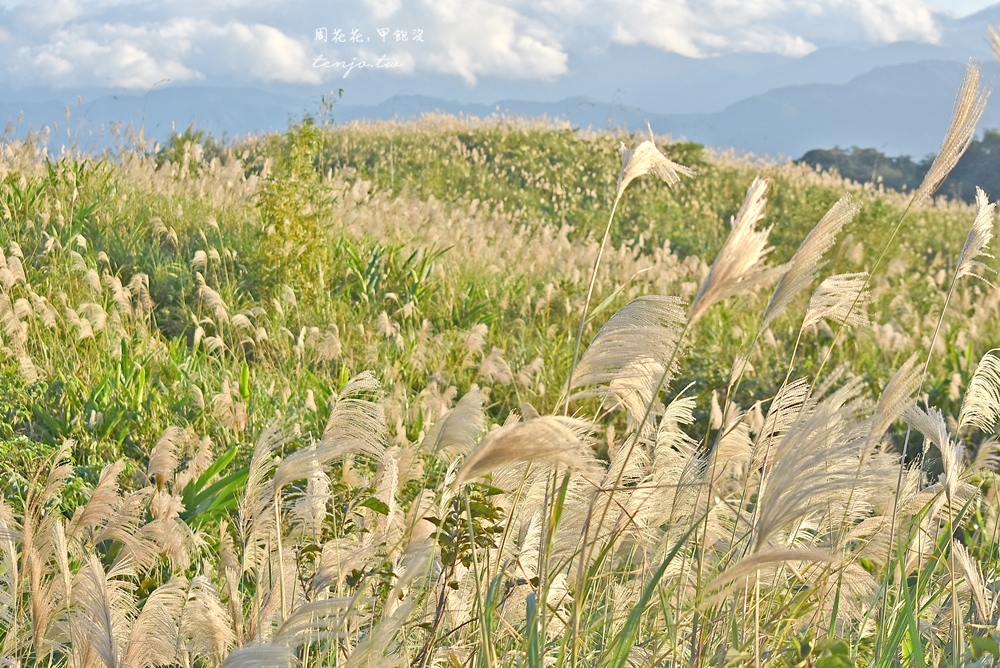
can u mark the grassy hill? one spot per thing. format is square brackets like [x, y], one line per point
[223, 304]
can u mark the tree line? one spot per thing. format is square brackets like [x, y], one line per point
[979, 166]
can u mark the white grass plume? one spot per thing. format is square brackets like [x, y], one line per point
[261, 656]
[357, 419]
[969, 107]
[898, 396]
[206, 628]
[370, 652]
[932, 425]
[808, 259]
[163, 457]
[549, 438]
[628, 356]
[153, 637]
[356, 424]
[985, 602]
[981, 406]
[786, 407]
[647, 159]
[456, 433]
[979, 238]
[814, 463]
[737, 266]
[755, 566]
[841, 298]
[101, 611]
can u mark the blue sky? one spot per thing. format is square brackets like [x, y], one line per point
[137, 44]
[960, 7]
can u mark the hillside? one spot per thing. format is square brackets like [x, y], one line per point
[302, 396]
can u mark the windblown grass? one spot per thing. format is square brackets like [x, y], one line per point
[313, 399]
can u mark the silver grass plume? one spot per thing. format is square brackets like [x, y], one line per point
[737, 266]
[841, 298]
[357, 420]
[60, 469]
[969, 107]
[647, 159]
[752, 567]
[261, 656]
[206, 629]
[101, 611]
[985, 603]
[898, 396]
[356, 424]
[153, 637]
[808, 259]
[370, 652]
[786, 407]
[101, 505]
[627, 359]
[549, 438]
[814, 463]
[979, 238]
[932, 425]
[981, 406]
[163, 457]
[312, 622]
[456, 432]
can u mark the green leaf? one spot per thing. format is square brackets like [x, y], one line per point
[376, 504]
[985, 645]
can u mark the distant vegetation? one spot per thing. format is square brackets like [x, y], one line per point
[980, 166]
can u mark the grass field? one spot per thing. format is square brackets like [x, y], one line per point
[302, 400]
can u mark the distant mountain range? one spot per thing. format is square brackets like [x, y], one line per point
[896, 98]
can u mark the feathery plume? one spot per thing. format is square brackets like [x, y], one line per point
[748, 569]
[932, 425]
[898, 396]
[357, 419]
[808, 259]
[370, 652]
[455, 433]
[152, 640]
[163, 457]
[549, 438]
[647, 159]
[736, 269]
[96, 622]
[981, 406]
[841, 298]
[495, 369]
[356, 424]
[814, 462]
[969, 107]
[261, 656]
[787, 406]
[979, 237]
[973, 572]
[628, 356]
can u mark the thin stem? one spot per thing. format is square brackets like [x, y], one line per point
[281, 554]
[586, 305]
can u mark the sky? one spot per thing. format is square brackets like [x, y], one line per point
[137, 44]
[960, 7]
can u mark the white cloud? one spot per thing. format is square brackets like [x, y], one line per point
[136, 43]
[180, 50]
[787, 27]
[384, 9]
[897, 20]
[474, 38]
[107, 59]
